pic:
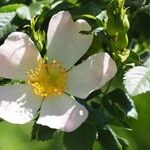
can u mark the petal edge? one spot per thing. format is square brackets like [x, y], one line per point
[19, 55]
[18, 104]
[65, 39]
[91, 75]
[63, 113]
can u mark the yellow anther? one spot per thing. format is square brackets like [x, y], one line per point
[48, 78]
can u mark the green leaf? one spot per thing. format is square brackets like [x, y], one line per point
[24, 12]
[141, 27]
[3, 2]
[124, 143]
[145, 9]
[97, 146]
[137, 80]
[5, 24]
[41, 133]
[27, 12]
[145, 58]
[4, 81]
[56, 143]
[10, 8]
[132, 58]
[82, 138]
[36, 8]
[134, 4]
[91, 8]
[98, 117]
[1, 120]
[120, 99]
[147, 63]
[120, 107]
[108, 139]
[96, 46]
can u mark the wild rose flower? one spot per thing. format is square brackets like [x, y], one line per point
[50, 84]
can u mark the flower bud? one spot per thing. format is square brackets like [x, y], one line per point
[122, 41]
[123, 24]
[119, 43]
[117, 24]
[111, 27]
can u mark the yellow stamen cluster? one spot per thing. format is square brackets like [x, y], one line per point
[48, 78]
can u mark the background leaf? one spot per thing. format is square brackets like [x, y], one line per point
[137, 80]
[24, 12]
[82, 138]
[42, 133]
[10, 8]
[108, 139]
[124, 102]
[5, 24]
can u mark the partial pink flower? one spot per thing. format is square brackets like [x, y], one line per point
[55, 81]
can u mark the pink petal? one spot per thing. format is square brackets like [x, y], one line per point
[18, 55]
[18, 103]
[65, 43]
[62, 112]
[91, 75]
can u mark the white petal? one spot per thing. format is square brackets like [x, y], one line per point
[91, 75]
[65, 43]
[18, 104]
[18, 55]
[62, 112]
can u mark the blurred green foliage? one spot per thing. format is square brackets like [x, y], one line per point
[139, 137]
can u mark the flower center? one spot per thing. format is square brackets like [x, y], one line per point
[48, 78]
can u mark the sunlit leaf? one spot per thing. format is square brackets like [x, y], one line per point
[24, 12]
[5, 23]
[10, 8]
[137, 80]
[35, 8]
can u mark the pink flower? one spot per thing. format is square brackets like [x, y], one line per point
[50, 83]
